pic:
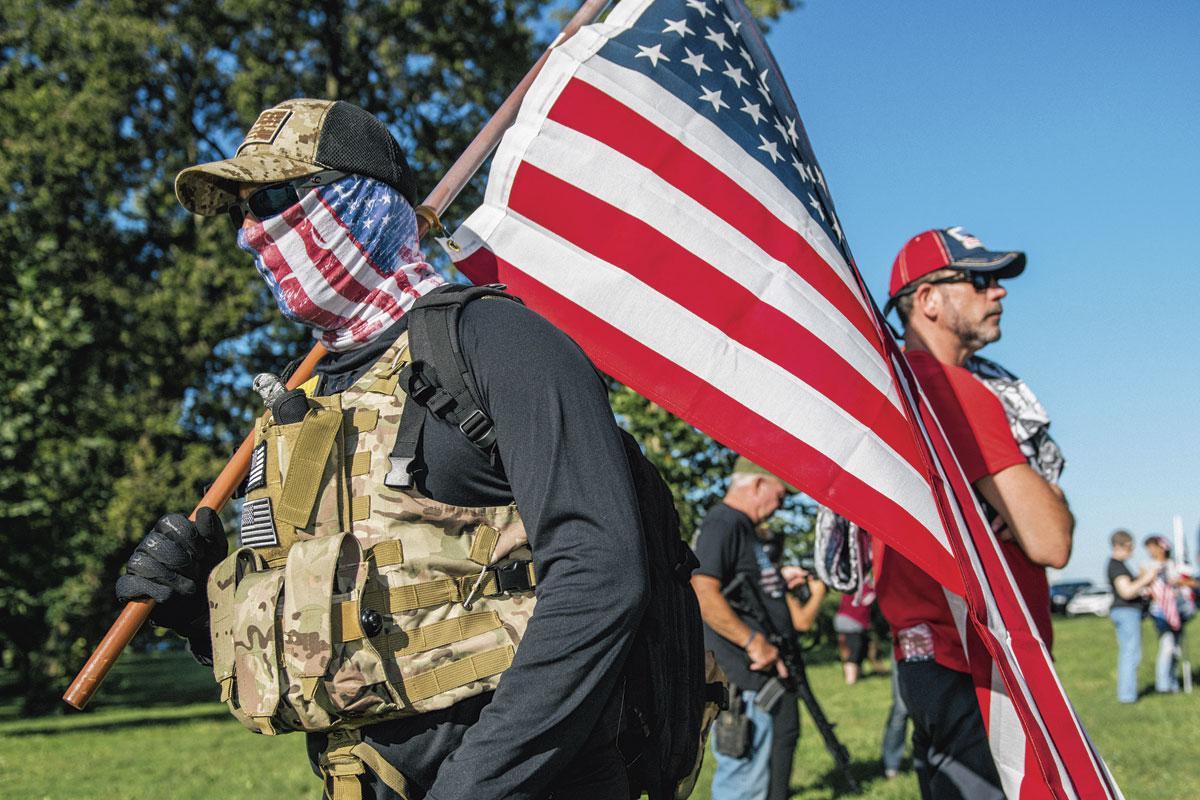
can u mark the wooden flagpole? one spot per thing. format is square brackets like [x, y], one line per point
[136, 612]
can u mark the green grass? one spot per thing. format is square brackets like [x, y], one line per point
[156, 731]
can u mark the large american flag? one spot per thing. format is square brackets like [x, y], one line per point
[658, 199]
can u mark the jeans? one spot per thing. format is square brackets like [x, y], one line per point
[896, 728]
[746, 778]
[1164, 665]
[785, 734]
[1128, 623]
[950, 746]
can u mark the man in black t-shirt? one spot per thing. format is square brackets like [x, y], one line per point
[1126, 614]
[727, 545]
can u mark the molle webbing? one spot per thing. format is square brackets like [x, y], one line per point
[439, 634]
[484, 546]
[375, 618]
[318, 434]
[387, 553]
[345, 753]
[457, 673]
[400, 599]
[342, 763]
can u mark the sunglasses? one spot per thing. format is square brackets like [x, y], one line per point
[980, 280]
[273, 199]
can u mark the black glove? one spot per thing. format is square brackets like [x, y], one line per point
[171, 566]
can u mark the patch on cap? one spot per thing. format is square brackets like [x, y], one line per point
[965, 239]
[267, 126]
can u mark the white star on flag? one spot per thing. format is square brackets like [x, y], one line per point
[655, 54]
[752, 110]
[762, 85]
[733, 26]
[802, 169]
[812, 201]
[710, 96]
[677, 26]
[734, 74]
[696, 61]
[770, 148]
[833, 406]
[718, 39]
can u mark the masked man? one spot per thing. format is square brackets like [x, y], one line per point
[388, 554]
[945, 286]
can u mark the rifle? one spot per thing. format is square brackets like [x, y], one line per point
[744, 596]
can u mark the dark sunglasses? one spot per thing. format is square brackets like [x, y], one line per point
[980, 280]
[273, 199]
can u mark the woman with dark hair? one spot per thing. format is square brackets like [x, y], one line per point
[1171, 605]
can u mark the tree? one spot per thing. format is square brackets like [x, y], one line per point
[131, 326]
[697, 468]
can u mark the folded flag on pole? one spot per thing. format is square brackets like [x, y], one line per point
[658, 199]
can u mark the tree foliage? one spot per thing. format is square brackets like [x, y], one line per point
[130, 325]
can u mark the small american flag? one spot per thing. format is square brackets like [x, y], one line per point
[658, 199]
[258, 526]
[257, 478]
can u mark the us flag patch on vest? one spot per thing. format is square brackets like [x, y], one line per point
[258, 524]
[258, 468]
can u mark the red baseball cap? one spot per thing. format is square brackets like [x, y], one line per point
[954, 248]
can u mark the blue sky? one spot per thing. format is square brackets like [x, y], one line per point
[1070, 131]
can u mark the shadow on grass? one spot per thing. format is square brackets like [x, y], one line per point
[160, 679]
[92, 725]
[865, 771]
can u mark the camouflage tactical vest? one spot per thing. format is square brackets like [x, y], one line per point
[350, 602]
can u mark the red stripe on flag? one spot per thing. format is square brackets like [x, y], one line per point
[588, 110]
[331, 267]
[1034, 666]
[690, 397]
[288, 284]
[637, 248]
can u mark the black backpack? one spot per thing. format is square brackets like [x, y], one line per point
[669, 699]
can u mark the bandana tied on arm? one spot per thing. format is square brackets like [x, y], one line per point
[843, 551]
[1027, 417]
[345, 260]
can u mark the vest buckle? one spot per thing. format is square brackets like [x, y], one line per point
[513, 577]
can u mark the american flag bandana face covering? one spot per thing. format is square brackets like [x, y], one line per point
[345, 260]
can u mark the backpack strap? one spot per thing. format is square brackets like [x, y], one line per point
[439, 379]
[345, 760]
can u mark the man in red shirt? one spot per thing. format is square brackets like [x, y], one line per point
[945, 287]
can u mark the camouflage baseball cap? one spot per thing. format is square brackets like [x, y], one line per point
[296, 138]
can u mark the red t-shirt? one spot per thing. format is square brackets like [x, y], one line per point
[860, 614]
[913, 603]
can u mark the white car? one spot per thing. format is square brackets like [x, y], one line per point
[1090, 601]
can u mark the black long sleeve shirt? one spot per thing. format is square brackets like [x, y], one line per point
[563, 463]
